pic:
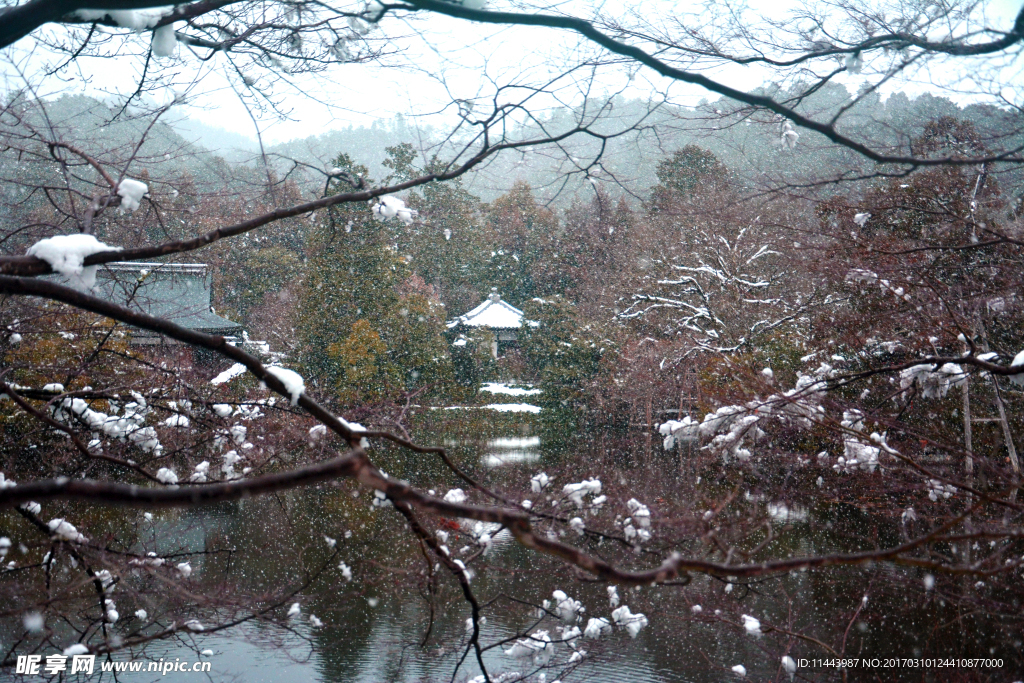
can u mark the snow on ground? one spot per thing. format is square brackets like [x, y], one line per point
[229, 374]
[492, 460]
[515, 442]
[500, 407]
[501, 388]
[513, 407]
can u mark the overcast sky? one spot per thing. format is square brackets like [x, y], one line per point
[437, 58]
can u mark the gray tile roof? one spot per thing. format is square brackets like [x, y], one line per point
[179, 292]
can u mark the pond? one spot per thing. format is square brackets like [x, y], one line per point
[392, 623]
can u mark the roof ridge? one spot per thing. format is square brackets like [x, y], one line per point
[482, 308]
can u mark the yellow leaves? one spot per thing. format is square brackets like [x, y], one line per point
[362, 344]
[360, 357]
[64, 346]
[65, 343]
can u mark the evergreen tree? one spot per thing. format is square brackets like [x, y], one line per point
[449, 243]
[369, 330]
[688, 172]
[565, 353]
[522, 228]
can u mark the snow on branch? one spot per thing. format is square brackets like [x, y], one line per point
[66, 255]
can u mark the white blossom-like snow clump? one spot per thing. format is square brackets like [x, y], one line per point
[568, 609]
[789, 665]
[539, 482]
[789, 136]
[166, 475]
[238, 433]
[66, 253]
[457, 496]
[536, 647]
[201, 473]
[858, 454]
[742, 430]
[131, 192]
[854, 63]
[674, 431]
[933, 384]
[65, 531]
[633, 623]
[231, 458]
[1018, 361]
[936, 490]
[316, 433]
[641, 515]
[575, 492]
[106, 580]
[597, 628]
[389, 206]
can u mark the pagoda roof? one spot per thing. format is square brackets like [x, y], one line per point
[493, 314]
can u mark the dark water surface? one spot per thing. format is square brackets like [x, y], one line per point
[374, 626]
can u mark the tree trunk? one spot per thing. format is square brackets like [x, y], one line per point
[1007, 436]
[969, 458]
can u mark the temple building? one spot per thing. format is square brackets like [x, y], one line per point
[499, 317]
[180, 293]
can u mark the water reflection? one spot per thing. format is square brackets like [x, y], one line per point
[787, 513]
[278, 540]
[512, 450]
